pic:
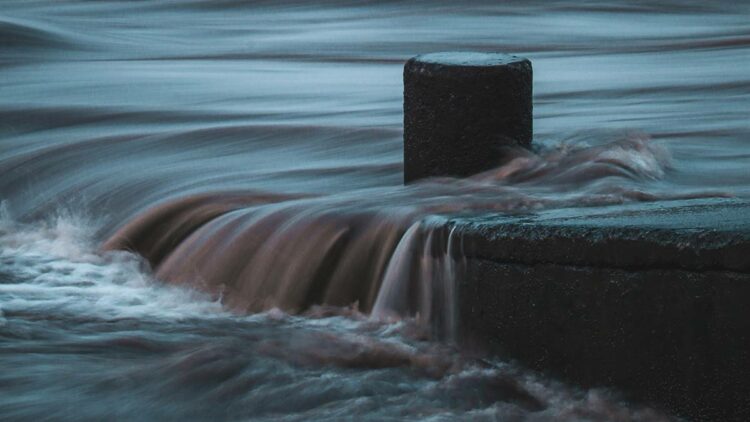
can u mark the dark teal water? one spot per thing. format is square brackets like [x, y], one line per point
[108, 109]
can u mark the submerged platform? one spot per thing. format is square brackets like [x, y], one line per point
[651, 299]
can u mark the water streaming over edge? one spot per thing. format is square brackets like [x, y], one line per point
[196, 132]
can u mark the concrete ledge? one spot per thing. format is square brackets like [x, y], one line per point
[694, 235]
[651, 299]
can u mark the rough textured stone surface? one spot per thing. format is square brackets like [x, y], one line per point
[674, 339]
[653, 300]
[696, 235]
[461, 110]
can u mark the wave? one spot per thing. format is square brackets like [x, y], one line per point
[386, 251]
[18, 34]
[635, 157]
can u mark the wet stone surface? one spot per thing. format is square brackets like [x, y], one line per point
[462, 110]
[602, 297]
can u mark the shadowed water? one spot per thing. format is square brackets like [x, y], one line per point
[251, 154]
[90, 336]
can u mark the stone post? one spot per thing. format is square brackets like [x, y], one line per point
[461, 110]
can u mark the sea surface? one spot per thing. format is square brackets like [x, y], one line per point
[203, 215]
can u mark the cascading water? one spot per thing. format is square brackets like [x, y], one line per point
[386, 252]
[203, 215]
[420, 280]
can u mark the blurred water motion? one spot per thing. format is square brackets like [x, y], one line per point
[279, 123]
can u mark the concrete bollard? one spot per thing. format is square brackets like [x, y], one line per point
[461, 109]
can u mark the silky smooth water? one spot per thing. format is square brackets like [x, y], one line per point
[202, 210]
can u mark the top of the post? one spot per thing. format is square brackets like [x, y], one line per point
[469, 59]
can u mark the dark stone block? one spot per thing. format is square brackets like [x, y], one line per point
[673, 339]
[650, 299]
[461, 110]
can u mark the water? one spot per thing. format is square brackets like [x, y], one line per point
[250, 153]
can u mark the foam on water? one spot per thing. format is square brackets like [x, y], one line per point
[54, 265]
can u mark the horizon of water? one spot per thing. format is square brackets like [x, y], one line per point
[202, 209]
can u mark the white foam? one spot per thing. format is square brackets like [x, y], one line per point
[54, 267]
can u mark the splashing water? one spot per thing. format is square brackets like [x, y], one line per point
[238, 245]
[54, 268]
[118, 344]
[385, 250]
